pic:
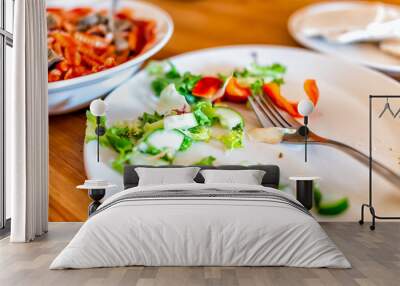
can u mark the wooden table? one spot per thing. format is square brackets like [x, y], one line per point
[198, 24]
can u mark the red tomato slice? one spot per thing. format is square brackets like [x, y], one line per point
[235, 92]
[207, 87]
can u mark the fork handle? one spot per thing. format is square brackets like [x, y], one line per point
[379, 168]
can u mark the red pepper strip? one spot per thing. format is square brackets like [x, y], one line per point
[274, 92]
[311, 89]
[207, 87]
[235, 92]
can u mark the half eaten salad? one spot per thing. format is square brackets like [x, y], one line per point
[190, 109]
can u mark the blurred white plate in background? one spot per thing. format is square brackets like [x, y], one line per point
[367, 54]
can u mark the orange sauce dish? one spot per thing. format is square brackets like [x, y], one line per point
[82, 40]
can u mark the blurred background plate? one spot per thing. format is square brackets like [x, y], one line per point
[73, 94]
[367, 54]
[341, 114]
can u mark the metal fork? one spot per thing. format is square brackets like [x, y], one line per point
[269, 115]
[111, 14]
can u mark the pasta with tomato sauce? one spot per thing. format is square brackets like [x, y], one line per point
[81, 41]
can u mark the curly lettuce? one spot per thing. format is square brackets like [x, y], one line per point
[163, 77]
[232, 140]
[199, 133]
[255, 76]
[204, 113]
[122, 136]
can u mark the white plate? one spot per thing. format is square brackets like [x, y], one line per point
[342, 114]
[367, 54]
[73, 94]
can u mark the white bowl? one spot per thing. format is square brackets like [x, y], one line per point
[73, 94]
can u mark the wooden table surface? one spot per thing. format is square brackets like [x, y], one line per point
[198, 24]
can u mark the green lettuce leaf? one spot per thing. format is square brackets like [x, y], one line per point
[199, 133]
[150, 118]
[163, 77]
[184, 83]
[204, 113]
[274, 71]
[232, 140]
[151, 150]
[256, 75]
[187, 142]
[90, 132]
[119, 163]
[119, 140]
[173, 72]
[149, 127]
[158, 85]
[206, 161]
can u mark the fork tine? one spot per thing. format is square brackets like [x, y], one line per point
[289, 121]
[273, 111]
[262, 118]
[270, 114]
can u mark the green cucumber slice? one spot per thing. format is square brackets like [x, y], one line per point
[162, 139]
[317, 195]
[228, 117]
[181, 121]
[332, 205]
[138, 158]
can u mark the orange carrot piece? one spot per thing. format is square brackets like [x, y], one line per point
[273, 91]
[312, 91]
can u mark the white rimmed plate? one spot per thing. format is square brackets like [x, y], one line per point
[342, 114]
[73, 94]
[367, 54]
